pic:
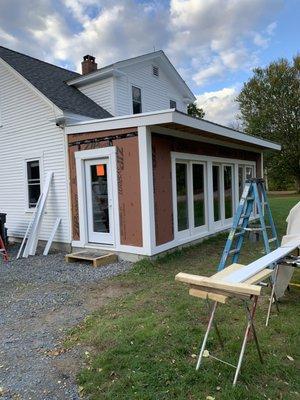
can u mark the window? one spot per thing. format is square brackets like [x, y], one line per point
[198, 195]
[241, 180]
[249, 172]
[182, 197]
[136, 100]
[205, 192]
[245, 172]
[155, 70]
[173, 104]
[190, 197]
[228, 191]
[33, 182]
[216, 192]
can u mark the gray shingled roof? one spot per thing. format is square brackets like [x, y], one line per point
[50, 80]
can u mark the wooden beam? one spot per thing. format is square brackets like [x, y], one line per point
[202, 294]
[240, 288]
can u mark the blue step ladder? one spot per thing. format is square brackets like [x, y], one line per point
[254, 200]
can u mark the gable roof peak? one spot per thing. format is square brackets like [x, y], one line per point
[50, 80]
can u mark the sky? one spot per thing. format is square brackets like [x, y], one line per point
[214, 44]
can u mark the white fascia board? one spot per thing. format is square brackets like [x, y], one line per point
[94, 76]
[183, 119]
[165, 117]
[123, 121]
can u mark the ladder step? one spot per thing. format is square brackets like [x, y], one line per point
[239, 233]
[234, 251]
[272, 240]
[244, 216]
[253, 229]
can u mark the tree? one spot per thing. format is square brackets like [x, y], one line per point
[270, 108]
[195, 111]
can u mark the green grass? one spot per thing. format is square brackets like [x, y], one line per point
[143, 345]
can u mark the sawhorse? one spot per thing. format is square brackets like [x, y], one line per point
[217, 290]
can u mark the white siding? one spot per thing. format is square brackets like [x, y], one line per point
[102, 93]
[26, 131]
[156, 91]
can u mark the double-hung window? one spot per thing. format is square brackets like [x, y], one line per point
[33, 182]
[136, 100]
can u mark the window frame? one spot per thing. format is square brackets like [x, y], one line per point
[210, 226]
[192, 230]
[38, 157]
[141, 103]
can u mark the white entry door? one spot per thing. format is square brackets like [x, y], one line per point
[99, 201]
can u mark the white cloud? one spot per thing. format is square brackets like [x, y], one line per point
[216, 68]
[217, 32]
[271, 28]
[219, 106]
[8, 38]
[205, 39]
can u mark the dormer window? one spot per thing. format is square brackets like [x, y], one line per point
[155, 70]
[136, 100]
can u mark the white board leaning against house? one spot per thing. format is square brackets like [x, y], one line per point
[34, 226]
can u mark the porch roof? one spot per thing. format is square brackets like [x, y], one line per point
[173, 120]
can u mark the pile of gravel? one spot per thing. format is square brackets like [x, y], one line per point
[40, 298]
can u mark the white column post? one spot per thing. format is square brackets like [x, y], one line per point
[147, 192]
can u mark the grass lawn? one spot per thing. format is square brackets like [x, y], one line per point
[143, 345]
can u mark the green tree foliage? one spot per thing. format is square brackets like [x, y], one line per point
[195, 111]
[270, 108]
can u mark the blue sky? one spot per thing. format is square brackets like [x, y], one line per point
[213, 43]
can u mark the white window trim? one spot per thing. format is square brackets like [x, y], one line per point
[34, 156]
[212, 226]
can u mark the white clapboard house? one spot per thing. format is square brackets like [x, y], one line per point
[133, 172]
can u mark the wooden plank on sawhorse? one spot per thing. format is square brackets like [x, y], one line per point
[217, 289]
[97, 259]
[220, 297]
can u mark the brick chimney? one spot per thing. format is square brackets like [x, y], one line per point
[88, 64]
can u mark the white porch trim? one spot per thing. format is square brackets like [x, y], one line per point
[166, 117]
[147, 190]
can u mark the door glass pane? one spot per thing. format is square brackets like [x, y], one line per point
[100, 198]
[182, 198]
[216, 190]
[228, 191]
[198, 195]
[241, 180]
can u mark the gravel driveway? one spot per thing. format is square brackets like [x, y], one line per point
[41, 298]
